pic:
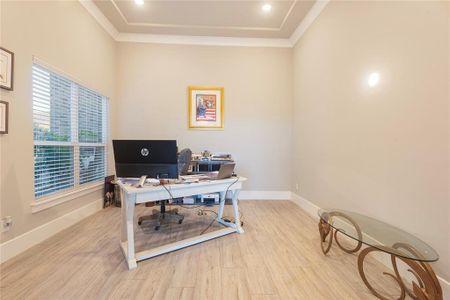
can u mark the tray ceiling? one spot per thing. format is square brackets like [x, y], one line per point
[206, 18]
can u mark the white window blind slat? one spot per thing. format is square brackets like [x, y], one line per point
[54, 169]
[92, 163]
[69, 126]
[50, 186]
[52, 159]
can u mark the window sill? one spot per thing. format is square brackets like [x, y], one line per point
[47, 202]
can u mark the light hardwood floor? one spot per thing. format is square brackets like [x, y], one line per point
[278, 257]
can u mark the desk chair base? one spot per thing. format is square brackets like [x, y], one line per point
[163, 218]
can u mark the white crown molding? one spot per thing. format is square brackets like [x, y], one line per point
[202, 40]
[100, 17]
[203, 27]
[205, 40]
[310, 17]
[286, 17]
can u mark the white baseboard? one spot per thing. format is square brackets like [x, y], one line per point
[265, 195]
[312, 210]
[445, 288]
[306, 205]
[33, 237]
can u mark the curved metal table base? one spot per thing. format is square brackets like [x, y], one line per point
[427, 286]
[325, 229]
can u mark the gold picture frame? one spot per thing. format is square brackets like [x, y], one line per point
[6, 69]
[206, 107]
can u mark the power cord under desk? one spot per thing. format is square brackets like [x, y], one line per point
[210, 224]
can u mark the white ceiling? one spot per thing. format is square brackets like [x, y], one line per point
[232, 18]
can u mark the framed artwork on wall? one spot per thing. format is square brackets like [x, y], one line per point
[6, 69]
[205, 107]
[3, 117]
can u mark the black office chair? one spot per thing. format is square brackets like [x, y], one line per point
[164, 215]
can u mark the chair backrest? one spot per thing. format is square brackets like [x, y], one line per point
[184, 160]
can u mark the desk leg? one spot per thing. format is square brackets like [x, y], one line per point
[237, 220]
[127, 239]
[123, 213]
[221, 205]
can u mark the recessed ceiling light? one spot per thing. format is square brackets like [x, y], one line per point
[373, 80]
[266, 7]
[139, 2]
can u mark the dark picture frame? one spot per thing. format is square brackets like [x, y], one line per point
[7, 72]
[4, 107]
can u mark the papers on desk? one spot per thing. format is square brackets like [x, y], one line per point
[184, 179]
[193, 178]
[135, 181]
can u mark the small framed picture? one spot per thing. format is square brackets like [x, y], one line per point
[6, 69]
[205, 107]
[3, 117]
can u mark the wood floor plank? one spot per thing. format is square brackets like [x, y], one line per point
[209, 284]
[278, 257]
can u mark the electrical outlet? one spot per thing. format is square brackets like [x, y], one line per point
[296, 187]
[6, 223]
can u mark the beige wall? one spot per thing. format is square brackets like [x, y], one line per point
[152, 103]
[381, 151]
[64, 35]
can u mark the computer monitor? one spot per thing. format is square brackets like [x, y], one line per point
[153, 158]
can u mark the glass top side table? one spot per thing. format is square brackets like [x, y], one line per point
[380, 236]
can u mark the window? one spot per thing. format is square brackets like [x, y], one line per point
[69, 129]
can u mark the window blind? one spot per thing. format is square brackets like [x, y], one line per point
[69, 129]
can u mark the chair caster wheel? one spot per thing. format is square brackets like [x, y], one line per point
[139, 223]
[181, 221]
[242, 223]
[156, 227]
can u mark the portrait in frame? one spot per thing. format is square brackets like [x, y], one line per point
[3, 117]
[206, 107]
[6, 69]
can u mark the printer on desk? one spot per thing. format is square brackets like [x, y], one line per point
[209, 162]
[205, 162]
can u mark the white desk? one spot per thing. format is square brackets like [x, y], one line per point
[131, 195]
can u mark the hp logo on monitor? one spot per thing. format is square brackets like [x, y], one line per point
[145, 152]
